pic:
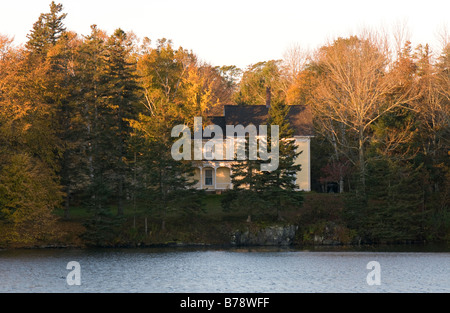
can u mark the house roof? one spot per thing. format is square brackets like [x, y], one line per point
[299, 117]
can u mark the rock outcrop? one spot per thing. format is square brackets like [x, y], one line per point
[268, 236]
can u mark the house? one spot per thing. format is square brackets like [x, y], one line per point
[214, 175]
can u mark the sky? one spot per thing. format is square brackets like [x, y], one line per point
[237, 32]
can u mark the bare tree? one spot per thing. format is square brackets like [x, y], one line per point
[354, 90]
[294, 63]
[294, 60]
[401, 34]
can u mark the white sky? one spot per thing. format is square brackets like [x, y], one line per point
[236, 32]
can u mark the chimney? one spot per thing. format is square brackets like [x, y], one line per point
[268, 96]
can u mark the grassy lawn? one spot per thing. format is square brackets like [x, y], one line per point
[211, 208]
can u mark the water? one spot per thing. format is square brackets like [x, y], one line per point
[223, 270]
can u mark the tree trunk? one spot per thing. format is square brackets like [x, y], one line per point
[120, 163]
[336, 152]
[67, 207]
[268, 96]
[120, 195]
[362, 164]
[341, 176]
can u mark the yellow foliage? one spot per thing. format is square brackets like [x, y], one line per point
[28, 195]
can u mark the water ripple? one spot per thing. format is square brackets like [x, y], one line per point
[239, 270]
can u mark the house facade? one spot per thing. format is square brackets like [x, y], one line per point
[215, 175]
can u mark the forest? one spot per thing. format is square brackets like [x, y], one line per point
[85, 138]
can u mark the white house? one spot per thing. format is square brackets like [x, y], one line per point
[214, 175]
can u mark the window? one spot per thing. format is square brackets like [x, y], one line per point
[208, 177]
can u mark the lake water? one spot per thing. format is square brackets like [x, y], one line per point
[234, 270]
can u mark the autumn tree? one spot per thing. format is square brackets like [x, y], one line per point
[30, 186]
[169, 75]
[51, 48]
[162, 71]
[260, 84]
[28, 196]
[353, 92]
[297, 76]
[232, 75]
[176, 89]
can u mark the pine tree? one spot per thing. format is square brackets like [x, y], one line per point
[89, 161]
[122, 101]
[280, 187]
[247, 188]
[268, 191]
[165, 185]
[107, 102]
[50, 47]
[393, 209]
[47, 30]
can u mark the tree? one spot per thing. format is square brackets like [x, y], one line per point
[261, 83]
[167, 185]
[169, 75]
[406, 162]
[231, 74]
[281, 189]
[246, 192]
[122, 101]
[51, 48]
[47, 30]
[268, 191]
[28, 196]
[162, 71]
[29, 185]
[432, 107]
[108, 101]
[88, 160]
[206, 90]
[354, 91]
[296, 75]
[392, 211]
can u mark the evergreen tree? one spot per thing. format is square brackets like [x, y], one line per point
[108, 102]
[247, 188]
[268, 191]
[165, 185]
[91, 176]
[393, 210]
[50, 47]
[280, 186]
[47, 30]
[122, 102]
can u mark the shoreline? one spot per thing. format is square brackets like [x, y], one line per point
[376, 247]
